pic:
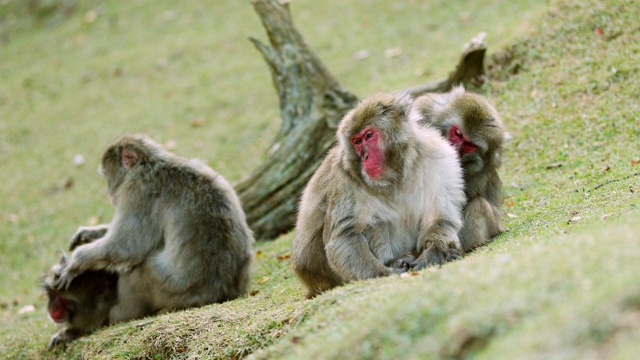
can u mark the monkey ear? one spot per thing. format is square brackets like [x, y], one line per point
[129, 158]
[63, 258]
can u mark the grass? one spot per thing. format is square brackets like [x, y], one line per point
[561, 283]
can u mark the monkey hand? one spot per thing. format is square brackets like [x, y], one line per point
[403, 262]
[437, 255]
[56, 340]
[87, 234]
[64, 278]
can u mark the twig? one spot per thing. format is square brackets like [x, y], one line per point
[615, 180]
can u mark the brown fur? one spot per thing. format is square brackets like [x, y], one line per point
[352, 227]
[482, 124]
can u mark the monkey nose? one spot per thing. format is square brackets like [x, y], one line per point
[365, 157]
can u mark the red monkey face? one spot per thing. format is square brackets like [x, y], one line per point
[458, 139]
[58, 308]
[367, 144]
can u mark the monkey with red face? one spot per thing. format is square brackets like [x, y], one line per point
[474, 127]
[387, 197]
[84, 306]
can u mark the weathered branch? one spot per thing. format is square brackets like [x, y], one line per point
[312, 102]
[470, 69]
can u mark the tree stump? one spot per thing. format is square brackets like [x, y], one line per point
[312, 102]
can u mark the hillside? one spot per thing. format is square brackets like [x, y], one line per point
[562, 282]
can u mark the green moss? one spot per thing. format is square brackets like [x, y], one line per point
[561, 282]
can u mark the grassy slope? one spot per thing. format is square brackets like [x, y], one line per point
[534, 292]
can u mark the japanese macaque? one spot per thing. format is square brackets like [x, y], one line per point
[178, 238]
[475, 129]
[388, 196]
[84, 306]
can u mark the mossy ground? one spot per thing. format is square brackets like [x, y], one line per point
[562, 282]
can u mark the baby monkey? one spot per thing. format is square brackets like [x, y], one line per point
[474, 127]
[84, 306]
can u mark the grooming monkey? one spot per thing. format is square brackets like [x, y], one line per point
[475, 129]
[178, 238]
[388, 191]
[82, 308]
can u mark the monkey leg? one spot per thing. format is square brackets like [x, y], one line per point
[134, 300]
[440, 245]
[480, 224]
[318, 281]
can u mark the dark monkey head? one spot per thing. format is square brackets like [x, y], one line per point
[60, 309]
[376, 140]
[470, 123]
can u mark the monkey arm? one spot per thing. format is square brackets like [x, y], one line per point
[351, 258]
[348, 251]
[87, 234]
[481, 224]
[130, 239]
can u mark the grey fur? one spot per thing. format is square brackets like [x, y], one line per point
[352, 227]
[178, 238]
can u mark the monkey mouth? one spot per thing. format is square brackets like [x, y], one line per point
[374, 173]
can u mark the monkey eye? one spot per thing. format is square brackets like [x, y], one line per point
[458, 132]
[356, 141]
[368, 135]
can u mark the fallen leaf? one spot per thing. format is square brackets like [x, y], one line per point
[284, 256]
[68, 184]
[574, 219]
[607, 168]
[554, 165]
[510, 204]
[258, 253]
[253, 292]
[197, 122]
[598, 31]
[392, 52]
[90, 16]
[27, 309]
[605, 216]
[361, 55]
[635, 161]
[263, 280]
[296, 339]
[512, 215]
